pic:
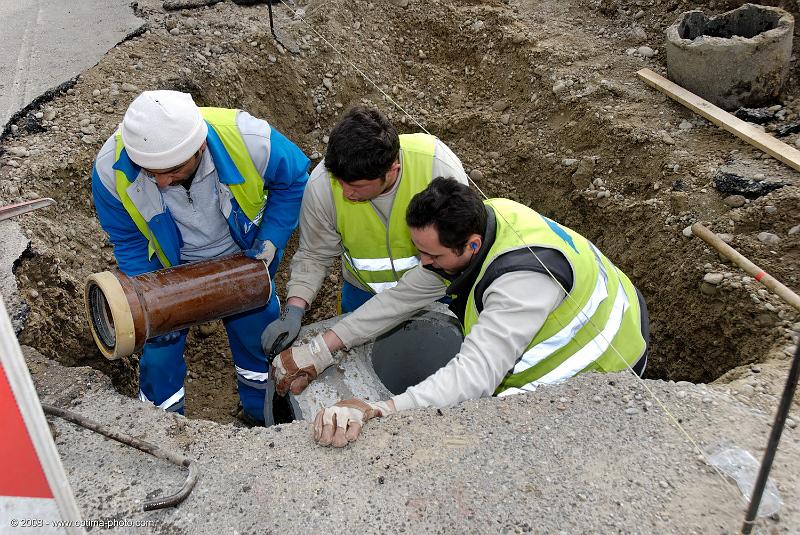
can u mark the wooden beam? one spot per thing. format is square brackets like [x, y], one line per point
[741, 129]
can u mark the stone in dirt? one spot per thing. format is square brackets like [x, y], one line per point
[708, 288]
[476, 175]
[206, 329]
[727, 238]
[768, 238]
[646, 51]
[735, 201]
[501, 105]
[20, 152]
[582, 176]
[637, 32]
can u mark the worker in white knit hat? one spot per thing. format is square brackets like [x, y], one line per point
[177, 183]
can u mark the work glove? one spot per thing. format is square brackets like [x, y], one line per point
[165, 338]
[262, 250]
[297, 366]
[341, 424]
[283, 330]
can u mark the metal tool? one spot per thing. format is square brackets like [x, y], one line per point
[272, 26]
[156, 503]
[269, 414]
[12, 210]
[772, 444]
[275, 349]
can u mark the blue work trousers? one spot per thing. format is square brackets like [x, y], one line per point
[162, 368]
[352, 297]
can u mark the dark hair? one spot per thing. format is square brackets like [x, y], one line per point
[454, 210]
[363, 145]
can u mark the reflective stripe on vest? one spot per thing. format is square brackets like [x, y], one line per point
[547, 347]
[123, 182]
[601, 309]
[374, 255]
[234, 167]
[382, 264]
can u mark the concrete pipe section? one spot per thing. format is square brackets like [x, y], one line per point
[737, 59]
[124, 312]
[398, 359]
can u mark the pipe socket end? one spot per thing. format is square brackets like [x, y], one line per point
[109, 315]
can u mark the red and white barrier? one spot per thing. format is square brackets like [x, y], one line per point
[34, 491]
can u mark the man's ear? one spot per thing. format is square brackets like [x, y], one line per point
[475, 242]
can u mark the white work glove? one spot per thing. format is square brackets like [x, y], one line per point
[262, 250]
[297, 366]
[341, 424]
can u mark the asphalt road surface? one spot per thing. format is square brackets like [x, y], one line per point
[44, 43]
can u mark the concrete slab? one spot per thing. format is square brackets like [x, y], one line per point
[44, 43]
[12, 244]
[593, 455]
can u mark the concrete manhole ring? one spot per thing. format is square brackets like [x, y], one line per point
[400, 358]
[739, 58]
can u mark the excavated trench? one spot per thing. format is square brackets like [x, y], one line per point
[695, 337]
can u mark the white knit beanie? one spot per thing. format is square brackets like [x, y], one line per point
[162, 129]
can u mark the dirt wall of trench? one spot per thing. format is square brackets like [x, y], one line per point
[540, 101]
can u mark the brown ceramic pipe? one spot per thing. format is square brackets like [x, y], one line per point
[124, 312]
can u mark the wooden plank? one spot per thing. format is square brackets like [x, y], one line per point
[741, 129]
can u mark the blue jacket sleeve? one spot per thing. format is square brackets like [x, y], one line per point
[130, 246]
[285, 180]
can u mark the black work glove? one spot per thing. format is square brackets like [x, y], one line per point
[287, 326]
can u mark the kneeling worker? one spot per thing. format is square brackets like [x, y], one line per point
[508, 268]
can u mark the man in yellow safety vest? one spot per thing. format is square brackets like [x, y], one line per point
[354, 207]
[538, 304]
[177, 183]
